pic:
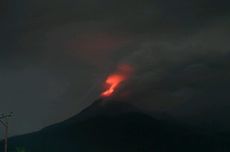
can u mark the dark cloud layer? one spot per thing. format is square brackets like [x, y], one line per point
[182, 82]
[54, 55]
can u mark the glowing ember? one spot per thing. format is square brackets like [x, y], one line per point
[113, 80]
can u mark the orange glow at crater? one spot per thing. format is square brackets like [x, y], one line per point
[114, 80]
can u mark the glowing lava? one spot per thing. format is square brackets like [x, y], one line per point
[114, 80]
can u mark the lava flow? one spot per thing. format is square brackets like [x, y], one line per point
[114, 80]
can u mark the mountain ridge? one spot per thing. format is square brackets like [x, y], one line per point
[113, 126]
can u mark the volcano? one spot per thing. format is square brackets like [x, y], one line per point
[114, 126]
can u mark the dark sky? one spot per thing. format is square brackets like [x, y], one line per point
[54, 55]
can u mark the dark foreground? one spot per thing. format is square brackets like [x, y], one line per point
[119, 128]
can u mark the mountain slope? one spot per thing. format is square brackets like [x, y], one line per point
[116, 126]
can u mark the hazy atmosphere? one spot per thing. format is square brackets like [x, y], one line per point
[56, 54]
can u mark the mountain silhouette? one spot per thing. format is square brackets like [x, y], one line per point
[112, 126]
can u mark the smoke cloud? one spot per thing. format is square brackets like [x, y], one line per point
[55, 55]
[187, 79]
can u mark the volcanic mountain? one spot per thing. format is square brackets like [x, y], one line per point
[112, 126]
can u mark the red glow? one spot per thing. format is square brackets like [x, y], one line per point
[114, 80]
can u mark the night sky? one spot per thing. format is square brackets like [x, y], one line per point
[55, 55]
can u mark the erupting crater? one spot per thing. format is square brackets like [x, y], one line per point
[114, 80]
